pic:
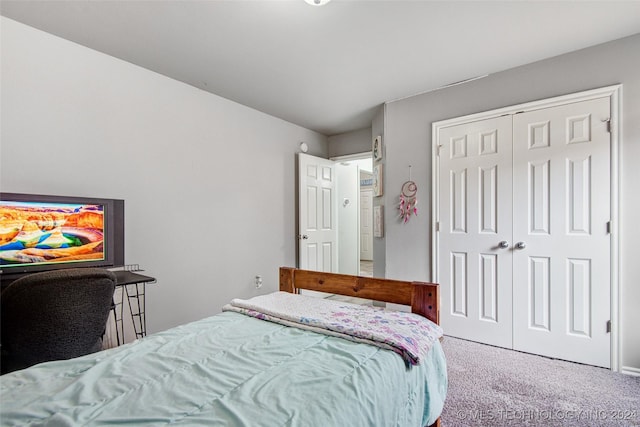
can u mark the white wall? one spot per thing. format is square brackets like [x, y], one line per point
[365, 165]
[209, 184]
[348, 188]
[407, 132]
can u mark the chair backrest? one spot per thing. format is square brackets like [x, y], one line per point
[54, 315]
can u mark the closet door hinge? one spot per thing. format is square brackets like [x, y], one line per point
[608, 122]
[608, 326]
[437, 225]
[608, 227]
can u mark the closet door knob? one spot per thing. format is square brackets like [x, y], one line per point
[503, 245]
[521, 245]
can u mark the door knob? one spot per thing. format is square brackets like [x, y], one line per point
[303, 237]
[503, 245]
[521, 245]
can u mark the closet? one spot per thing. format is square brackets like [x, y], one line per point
[522, 208]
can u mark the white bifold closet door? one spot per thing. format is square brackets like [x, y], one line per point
[524, 247]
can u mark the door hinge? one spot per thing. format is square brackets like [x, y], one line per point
[437, 225]
[608, 122]
[608, 326]
[608, 227]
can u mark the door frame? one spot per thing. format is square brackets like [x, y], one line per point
[614, 94]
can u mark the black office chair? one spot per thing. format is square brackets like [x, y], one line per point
[54, 315]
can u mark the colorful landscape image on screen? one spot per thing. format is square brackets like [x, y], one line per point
[37, 233]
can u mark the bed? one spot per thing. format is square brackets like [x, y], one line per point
[234, 369]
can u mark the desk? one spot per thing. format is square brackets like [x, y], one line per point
[132, 284]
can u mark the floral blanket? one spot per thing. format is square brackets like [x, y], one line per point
[408, 334]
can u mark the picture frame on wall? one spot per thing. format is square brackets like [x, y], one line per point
[378, 221]
[376, 149]
[377, 181]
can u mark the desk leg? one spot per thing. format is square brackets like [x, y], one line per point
[136, 298]
[117, 307]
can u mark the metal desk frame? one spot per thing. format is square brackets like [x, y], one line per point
[132, 284]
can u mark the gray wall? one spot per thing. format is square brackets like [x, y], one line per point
[358, 141]
[209, 184]
[407, 130]
[380, 243]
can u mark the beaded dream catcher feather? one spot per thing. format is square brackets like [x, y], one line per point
[408, 199]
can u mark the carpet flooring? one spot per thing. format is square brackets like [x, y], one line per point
[490, 386]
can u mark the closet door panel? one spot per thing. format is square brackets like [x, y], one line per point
[475, 216]
[561, 257]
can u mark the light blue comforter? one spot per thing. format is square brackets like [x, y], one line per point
[230, 370]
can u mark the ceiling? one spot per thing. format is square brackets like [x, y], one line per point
[328, 68]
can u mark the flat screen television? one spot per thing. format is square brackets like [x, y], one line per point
[40, 233]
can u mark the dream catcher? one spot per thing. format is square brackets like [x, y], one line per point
[408, 199]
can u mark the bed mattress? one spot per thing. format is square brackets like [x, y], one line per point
[230, 370]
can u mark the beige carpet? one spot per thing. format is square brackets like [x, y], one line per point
[490, 386]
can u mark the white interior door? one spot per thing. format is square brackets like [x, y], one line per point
[366, 225]
[562, 291]
[317, 214]
[475, 216]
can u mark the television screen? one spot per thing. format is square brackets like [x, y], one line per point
[33, 233]
[40, 233]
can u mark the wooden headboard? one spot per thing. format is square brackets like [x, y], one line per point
[423, 297]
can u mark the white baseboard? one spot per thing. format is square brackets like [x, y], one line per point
[628, 370]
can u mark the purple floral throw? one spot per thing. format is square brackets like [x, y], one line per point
[407, 334]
